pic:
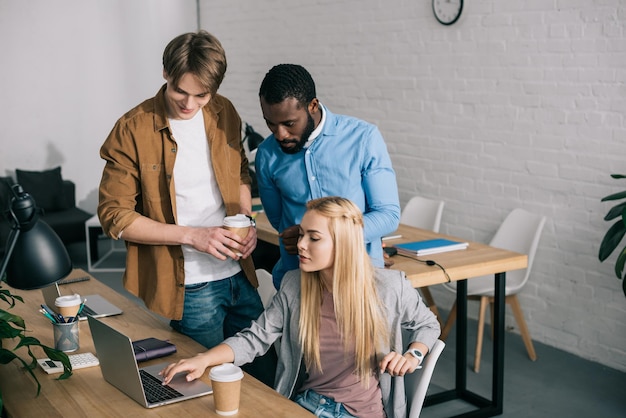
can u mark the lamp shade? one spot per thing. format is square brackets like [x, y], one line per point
[36, 256]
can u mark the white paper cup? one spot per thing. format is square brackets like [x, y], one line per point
[68, 305]
[226, 383]
[239, 224]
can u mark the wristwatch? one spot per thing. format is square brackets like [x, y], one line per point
[417, 354]
[252, 221]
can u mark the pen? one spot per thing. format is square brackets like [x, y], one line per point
[80, 309]
[47, 315]
[58, 318]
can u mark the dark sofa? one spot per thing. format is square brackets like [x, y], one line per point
[55, 196]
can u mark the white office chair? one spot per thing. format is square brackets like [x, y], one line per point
[424, 213]
[519, 232]
[266, 286]
[267, 291]
[416, 383]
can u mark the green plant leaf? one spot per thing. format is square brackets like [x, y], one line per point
[26, 341]
[14, 319]
[33, 359]
[7, 331]
[58, 355]
[6, 356]
[624, 286]
[619, 264]
[618, 176]
[614, 196]
[29, 369]
[615, 212]
[7, 299]
[611, 239]
[6, 296]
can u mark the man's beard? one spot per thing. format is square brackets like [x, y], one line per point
[299, 144]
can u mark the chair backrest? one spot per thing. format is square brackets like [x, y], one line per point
[422, 212]
[266, 286]
[520, 232]
[416, 383]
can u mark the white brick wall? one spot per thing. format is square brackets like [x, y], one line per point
[518, 104]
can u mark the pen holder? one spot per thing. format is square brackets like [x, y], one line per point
[66, 336]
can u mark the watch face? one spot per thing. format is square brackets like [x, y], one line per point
[447, 11]
[416, 353]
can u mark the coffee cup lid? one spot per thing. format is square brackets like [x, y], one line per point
[240, 221]
[226, 372]
[69, 300]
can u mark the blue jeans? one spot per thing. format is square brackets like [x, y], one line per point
[322, 406]
[214, 311]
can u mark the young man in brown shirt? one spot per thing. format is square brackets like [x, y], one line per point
[175, 167]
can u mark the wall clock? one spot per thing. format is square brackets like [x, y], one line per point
[447, 11]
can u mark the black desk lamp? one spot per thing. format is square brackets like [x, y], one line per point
[35, 255]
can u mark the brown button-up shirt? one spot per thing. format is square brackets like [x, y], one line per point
[137, 180]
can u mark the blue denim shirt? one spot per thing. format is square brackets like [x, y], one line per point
[349, 159]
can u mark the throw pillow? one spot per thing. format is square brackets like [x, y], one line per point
[5, 194]
[5, 226]
[46, 187]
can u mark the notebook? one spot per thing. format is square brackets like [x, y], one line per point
[119, 368]
[151, 348]
[431, 246]
[95, 305]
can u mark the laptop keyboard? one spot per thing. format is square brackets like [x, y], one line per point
[154, 389]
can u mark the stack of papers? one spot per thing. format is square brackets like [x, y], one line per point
[431, 246]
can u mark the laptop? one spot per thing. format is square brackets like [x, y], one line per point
[119, 368]
[95, 305]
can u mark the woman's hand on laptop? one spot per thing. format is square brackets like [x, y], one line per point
[195, 366]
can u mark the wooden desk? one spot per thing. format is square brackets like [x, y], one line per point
[86, 393]
[477, 260]
[264, 229]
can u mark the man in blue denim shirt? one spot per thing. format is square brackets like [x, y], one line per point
[314, 153]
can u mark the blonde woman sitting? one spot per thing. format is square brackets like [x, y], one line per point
[340, 321]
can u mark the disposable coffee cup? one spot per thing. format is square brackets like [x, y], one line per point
[68, 305]
[66, 336]
[226, 383]
[239, 224]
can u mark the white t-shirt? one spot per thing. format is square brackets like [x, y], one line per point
[198, 199]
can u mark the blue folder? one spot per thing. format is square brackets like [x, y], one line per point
[431, 246]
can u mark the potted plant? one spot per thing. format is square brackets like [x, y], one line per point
[616, 232]
[12, 327]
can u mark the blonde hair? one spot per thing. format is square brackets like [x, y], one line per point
[358, 310]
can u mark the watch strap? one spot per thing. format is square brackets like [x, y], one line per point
[417, 354]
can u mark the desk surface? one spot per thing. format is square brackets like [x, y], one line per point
[477, 260]
[86, 393]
